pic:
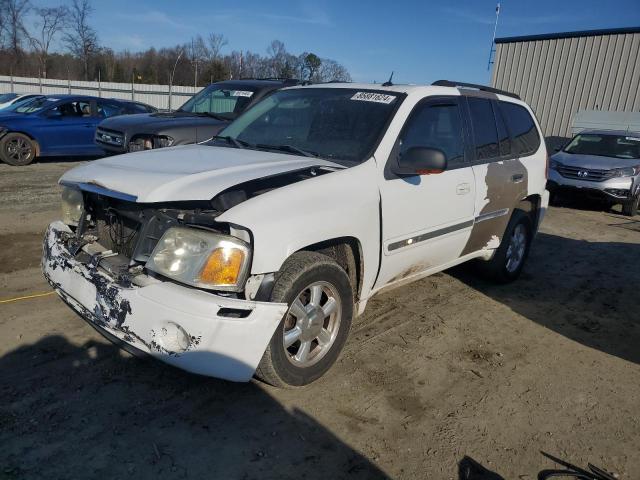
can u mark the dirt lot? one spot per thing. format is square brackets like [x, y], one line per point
[449, 367]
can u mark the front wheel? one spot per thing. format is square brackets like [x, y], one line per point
[630, 208]
[17, 149]
[315, 328]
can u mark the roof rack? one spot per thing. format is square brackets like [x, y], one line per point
[274, 79]
[484, 88]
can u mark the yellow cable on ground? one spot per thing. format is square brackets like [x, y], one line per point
[27, 297]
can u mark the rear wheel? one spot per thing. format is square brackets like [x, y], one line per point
[510, 257]
[315, 328]
[631, 207]
[17, 149]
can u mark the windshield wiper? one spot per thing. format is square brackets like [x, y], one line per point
[289, 148]
[233, 141]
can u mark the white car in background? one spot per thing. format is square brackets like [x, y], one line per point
[7, 100]
[252, 254]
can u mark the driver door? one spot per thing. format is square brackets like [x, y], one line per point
[427, 219]
[68, 128]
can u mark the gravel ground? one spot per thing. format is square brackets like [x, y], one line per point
[448, 369]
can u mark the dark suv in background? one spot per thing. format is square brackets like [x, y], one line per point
[198, 120]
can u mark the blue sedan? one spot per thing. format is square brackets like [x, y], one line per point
[58, 125]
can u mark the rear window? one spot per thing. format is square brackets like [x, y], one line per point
[523, 129]
[485, 135]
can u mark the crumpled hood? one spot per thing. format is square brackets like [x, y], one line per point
[594, 162]
[191, 172]
[157, 122]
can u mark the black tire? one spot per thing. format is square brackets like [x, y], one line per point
[497, 269]
[300, 271]
[17, 149]
[630, 208]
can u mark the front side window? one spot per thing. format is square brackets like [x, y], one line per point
[436, 126]
[333, 123]
[523, 129]
[216, 100]
[617, 146]
[74, 109]
[485, 134]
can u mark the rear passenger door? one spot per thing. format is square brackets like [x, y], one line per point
[500, 177]
[426, 219]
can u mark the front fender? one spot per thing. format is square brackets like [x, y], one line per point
[344, 203]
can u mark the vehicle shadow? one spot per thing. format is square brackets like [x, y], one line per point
[92, 411]
[586, 291]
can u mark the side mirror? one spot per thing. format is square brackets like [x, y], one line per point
[421, 161]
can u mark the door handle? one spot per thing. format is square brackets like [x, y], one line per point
[463, 188]
[517, 178]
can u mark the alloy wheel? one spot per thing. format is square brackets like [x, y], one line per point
[312, 323]
[517, 248]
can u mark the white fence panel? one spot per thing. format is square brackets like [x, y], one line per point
[156, 95]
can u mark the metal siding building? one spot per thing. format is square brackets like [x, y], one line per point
[559, 74]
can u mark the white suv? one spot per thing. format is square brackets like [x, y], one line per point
[252, 254]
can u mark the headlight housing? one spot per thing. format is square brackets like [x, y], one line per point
[554, 164]
[148, 143]
[161, 142]
[626, 171]
[201, 258]
[72, 206]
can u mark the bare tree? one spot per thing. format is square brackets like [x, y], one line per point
[81, 39]
[50, 22]
[216, 42]
[14, 12]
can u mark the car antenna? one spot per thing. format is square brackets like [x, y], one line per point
[388, 83]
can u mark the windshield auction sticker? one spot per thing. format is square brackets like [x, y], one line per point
[241, 93]
[374, 97]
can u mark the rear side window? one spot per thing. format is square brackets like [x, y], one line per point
[106, 110]
[435, 126]
[523, 129]
[503, 133]
[485, 134]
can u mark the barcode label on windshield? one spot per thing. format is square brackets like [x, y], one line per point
[634, 139]
[241, 93]
[374, 97]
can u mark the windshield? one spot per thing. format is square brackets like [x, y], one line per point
[7, 97]
[616, 146]
[225, 102]
[332, 123]
[33, 104]
[20, 103]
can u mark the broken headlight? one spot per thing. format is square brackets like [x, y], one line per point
[148, 143]
[201, 258]
[72, 206]
[161, 142]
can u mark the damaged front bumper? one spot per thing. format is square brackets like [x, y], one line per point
[188, 328]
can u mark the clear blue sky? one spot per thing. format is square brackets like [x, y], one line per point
[420, 40]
